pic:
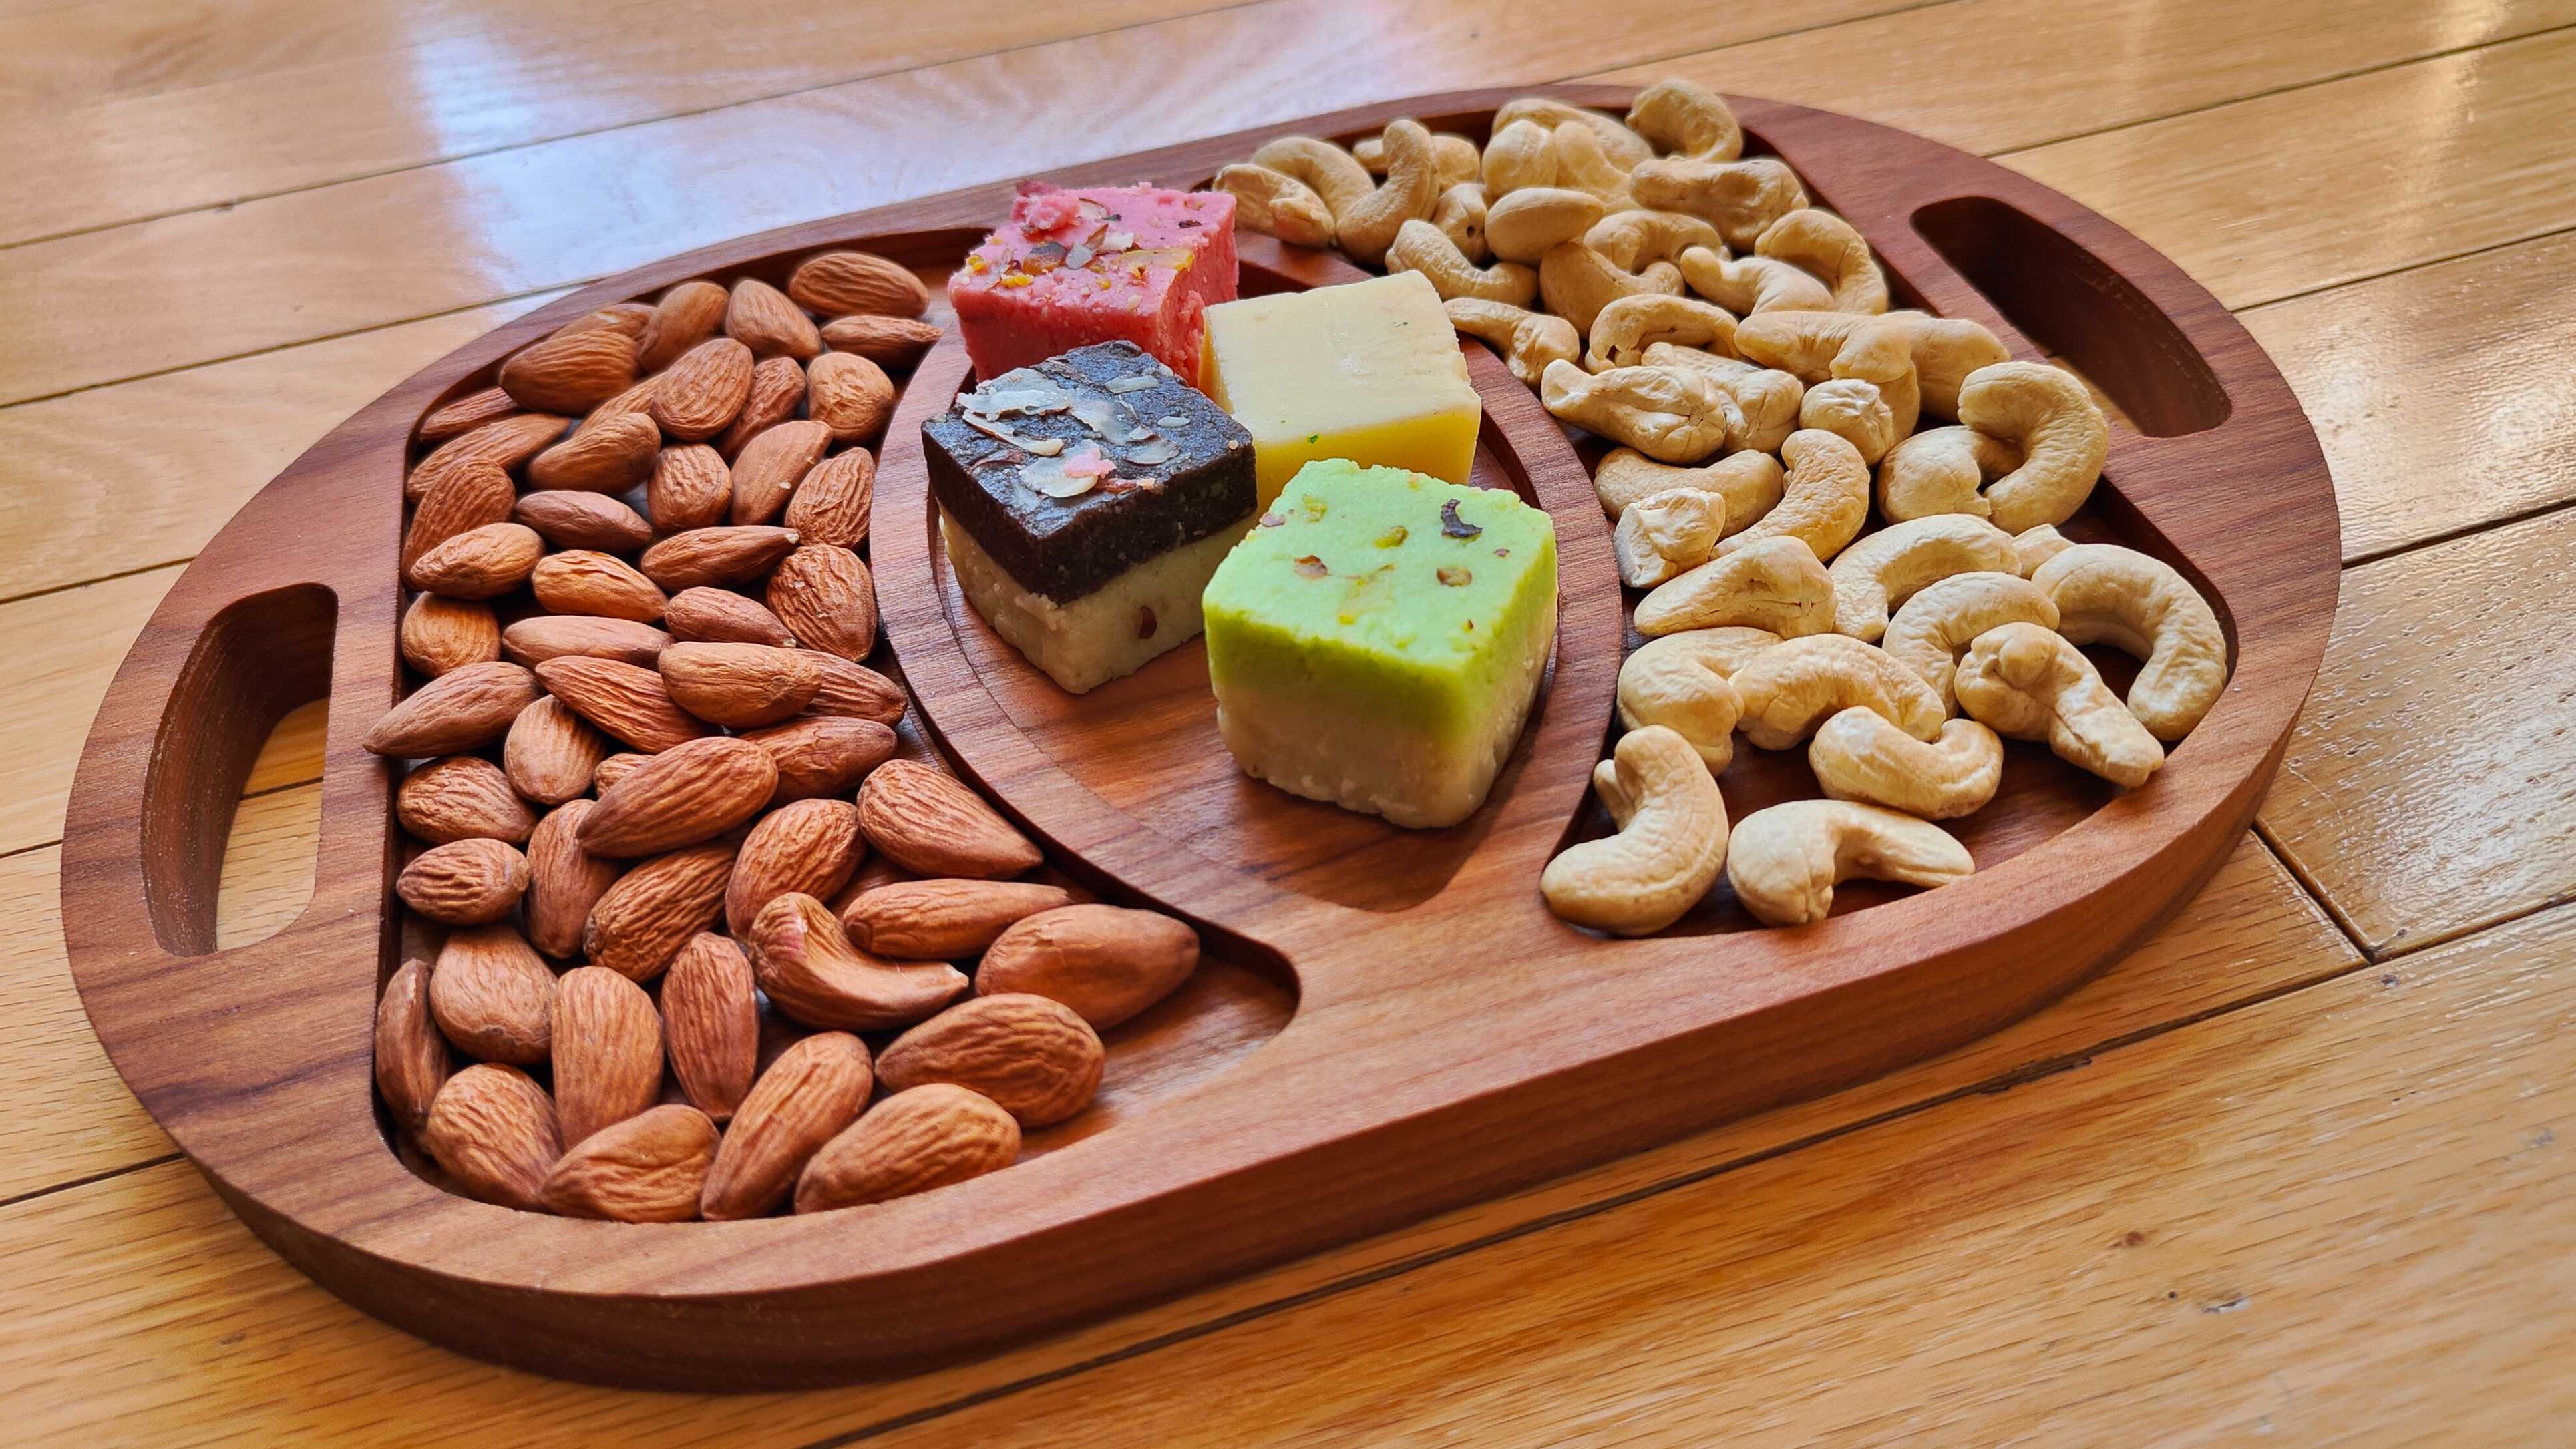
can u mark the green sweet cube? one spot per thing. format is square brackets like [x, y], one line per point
[1377, 639]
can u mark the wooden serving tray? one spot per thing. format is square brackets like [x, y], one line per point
[1391, 1024]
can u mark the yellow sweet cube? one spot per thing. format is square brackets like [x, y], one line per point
[1368, 371]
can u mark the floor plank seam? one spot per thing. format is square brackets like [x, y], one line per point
[126, 573]
[2459, 256]
[2306, 880]
[2469, 530]
[2395, 952]
[7, 1203]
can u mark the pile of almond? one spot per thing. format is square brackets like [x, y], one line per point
[703, 943]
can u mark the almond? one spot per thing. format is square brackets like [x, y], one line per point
[1035, 1057]
[564, 880]
[885, 341]
[691, 488]
[466, 708]
[534, 640]
[627, 701]
[739, 685]
[630, 403]
[470, 882]
[461, 797]
[493, 1130]
[836, 282]
[617, 767]
[876, 875]
[687, 315]
[1106, 962]
[471, 495]
[626, 317]
[910, 1142]
[506, 443]
[571, 518]
[610, 457]
[848, 394]
[760, 317]
[716, 556]
[440, 636]
[411, 1057]
[809, 847]
[925, 821]
[823, 754]
[814, 1089]
[551, 753]
[809, 970]
[571, 372]
[466, 414]
[643, 919]
[647, 1169]
[492, 996]
[704, 391]
[705, 615]
[585, 581]
[607, 1051]
[777, 390]
[770, 464]
[941, 920]
[831, 504]
[480, 563]
[691, 792]
[856, 691]
[824, 594]
[712, 1020]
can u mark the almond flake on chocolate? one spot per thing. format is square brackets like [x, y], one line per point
[1042, 447]
[1171, 420]
[1138, 383]
[1452, 526]
[1155, 453]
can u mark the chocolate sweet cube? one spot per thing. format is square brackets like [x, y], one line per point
[1100, 264]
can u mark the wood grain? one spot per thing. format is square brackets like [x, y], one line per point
[63, 649]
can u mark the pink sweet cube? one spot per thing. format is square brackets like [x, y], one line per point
[1099, 264]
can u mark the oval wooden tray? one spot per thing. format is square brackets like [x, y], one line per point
[1439, 1036]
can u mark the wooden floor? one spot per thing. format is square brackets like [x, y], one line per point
[2303, 1166]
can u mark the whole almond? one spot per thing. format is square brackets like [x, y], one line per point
[711, 1019]
[564, 881]
[607, 1051]
[492, 997]
[836, 282]
[609, 458]
[911, 1142]
[687, 315]
[777, 391]
[1106, 962]
[705, 615]
[716, 556]
[505, 443]
[465, 882]
[825, 595]
[540, 637]
[626, 317]
[704, 391]
[464, 709]
[617, 767]
[411, 1057]
[691, 488]
[694, 791]
[469, 496]
[466, 414]
[831, 504]
[571, 372]
[585, 581]
[760, 317]
[809, 970]
[643, 920]
[856, 691]
[571, 518]
[814, 1089]
[876, 875]
[440, 636]
[552, 753]
[461, 797]
[925, 821]
[625, 700]
[941, 920]
[809, 847]
[770, 464]
[1035, 1057]
[848, 394]
[493, 1130]
[823, 754]
[630, 403]
[885, 341]
[480, 563]
[647, 1169]
[739, 685]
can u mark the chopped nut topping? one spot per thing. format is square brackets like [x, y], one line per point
[1452, 526]
[1145, 624]
[1391, 537]
[1311, 567]
[1455, 577]
[1272, 520]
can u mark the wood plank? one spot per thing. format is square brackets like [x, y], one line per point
[2431, 786]
[201, 1319]
[64, 648]
[2439, 393]
[268, 865]
[69, 1116]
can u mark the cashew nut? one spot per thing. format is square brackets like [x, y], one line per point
[1453, 157]
[1528, 340]
[2143, 607]
[2035, 546]
[1670, 414]
[1460, 214]
[1785, 861]
[1819, 346]
[1789, 689]
[1666, 533]
[1826, 500]
[1768, 398]
[1686, 120]
[1326, 169]
[2032, 684]
[1851, 410]
[2063, 438]
[1939, 470]
[1827, 246]
[1932, 628]
[1422, 247]
[1623, 330]
[1276, 203]
[1368, 226]
[1680, 682]
[1670, 846]
[1624, 147]
[1776, 584]
[1894, 564]
[1522, 225]
[1751, 483]
[1582, 164]
[1741, 197]
[1857, 755]
[1578, 282]
[1518, 156]
[1946, 350]
[1746, 285]
[1632, 239]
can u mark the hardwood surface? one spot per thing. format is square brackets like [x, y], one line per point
[2415, 145]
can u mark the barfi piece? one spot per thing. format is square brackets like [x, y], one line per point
[1084, 502]
[1369, 371]
[1377, 639]
[1101, 264]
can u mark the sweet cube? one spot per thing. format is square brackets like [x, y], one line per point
[1084, 502]
[1377, 639]
[1368, 371]
[1097, 264]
